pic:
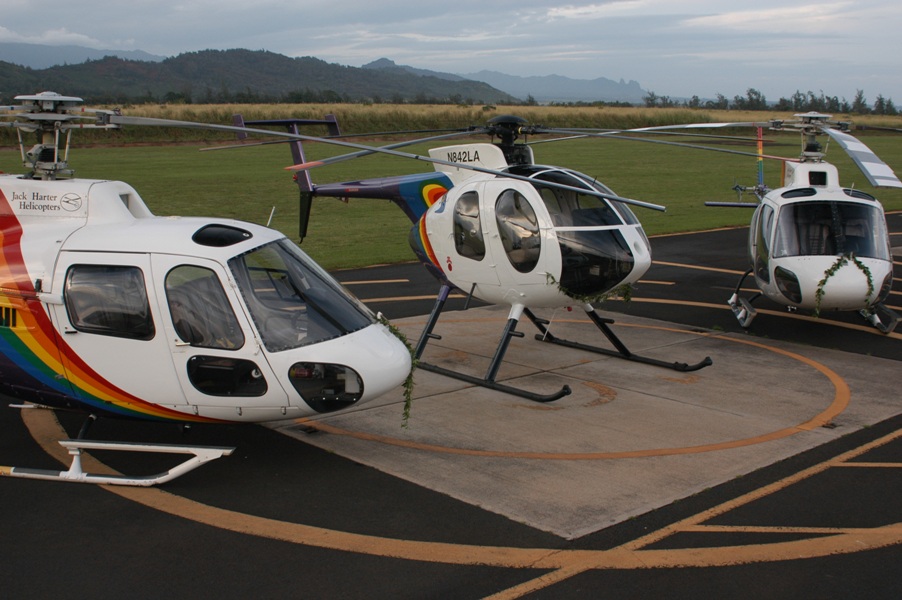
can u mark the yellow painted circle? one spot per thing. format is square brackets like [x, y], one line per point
[563, 563]
[838, 405]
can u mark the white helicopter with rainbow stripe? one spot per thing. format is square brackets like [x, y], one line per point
[108, 309]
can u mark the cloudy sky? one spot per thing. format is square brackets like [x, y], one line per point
[673, 48]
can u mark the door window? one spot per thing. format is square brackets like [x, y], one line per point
[226, 376]
[762, 243]
[468, 237]
[200, 310]
[519, 230]
[108, 300]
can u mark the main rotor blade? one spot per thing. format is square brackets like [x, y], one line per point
[618, 135]
[575, 132]
[878, 173]
[335, 159]
[361, 153]
[877, 128]
[153, 122]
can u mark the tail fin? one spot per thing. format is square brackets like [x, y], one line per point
[302, 178]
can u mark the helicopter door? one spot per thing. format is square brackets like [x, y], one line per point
[517, 229]
[759, 241]
[110, 322]
[469, 255]
[216, 355]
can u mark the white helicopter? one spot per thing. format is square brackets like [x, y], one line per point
[502, 229]
[108, 309]
[814, 244]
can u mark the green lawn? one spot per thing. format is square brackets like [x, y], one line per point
[247, 183]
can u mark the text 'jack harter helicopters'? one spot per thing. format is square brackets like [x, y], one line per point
[108, 309]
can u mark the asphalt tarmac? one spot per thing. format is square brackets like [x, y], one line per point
[775, 472]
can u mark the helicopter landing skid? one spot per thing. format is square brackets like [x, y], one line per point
[621, 350]
[881, 317]
[742, 307]
[742, 310]
[489, 380]
[494, 385]
[201, 455]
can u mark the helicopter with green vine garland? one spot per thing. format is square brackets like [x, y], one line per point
[814, 244]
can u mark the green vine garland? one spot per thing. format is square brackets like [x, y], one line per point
[624, 291]
[408, 382]
[840, 262]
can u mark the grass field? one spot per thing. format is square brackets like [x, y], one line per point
[248, 183]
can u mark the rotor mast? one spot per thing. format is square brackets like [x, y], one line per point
[810, 125]
[50, 117]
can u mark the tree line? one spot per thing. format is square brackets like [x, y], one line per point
[798, 102]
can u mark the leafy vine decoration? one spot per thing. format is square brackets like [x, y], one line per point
[840, 262]
[623, 291]
[408, 382]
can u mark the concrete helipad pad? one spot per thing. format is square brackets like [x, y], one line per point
[630, 438]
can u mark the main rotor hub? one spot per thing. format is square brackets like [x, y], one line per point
[52, 117]
[48, 102]
[508, 128]
[810, 125]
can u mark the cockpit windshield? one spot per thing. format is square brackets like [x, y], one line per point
[292, 301]
[570, 208]
[594, 252]
[831, 228]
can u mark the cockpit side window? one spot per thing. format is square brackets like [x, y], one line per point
[200, 310]
[763, 229]
[519, 230]
[291, 300]
[468, 238]
[108, 300]
[569, 208]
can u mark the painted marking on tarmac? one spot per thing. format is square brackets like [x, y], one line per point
[776, 313]
[654, 282]
[407, 298]
[562, 563]
[839, 403]
[696, 267]
[374, 281]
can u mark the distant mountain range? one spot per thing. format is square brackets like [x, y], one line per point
[228, 75]
[542, 88]
[37, 56]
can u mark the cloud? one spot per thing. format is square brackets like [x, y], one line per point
[675, 48]
[599, 11]
[809, 18]
[52, 37]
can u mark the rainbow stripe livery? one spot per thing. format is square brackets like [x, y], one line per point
[106, 308]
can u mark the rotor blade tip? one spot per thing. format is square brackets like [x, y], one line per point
[303, 166]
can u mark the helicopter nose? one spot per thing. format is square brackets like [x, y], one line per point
[386, 364]
[848, 287]
[351, 369]
[380, 358]
[844, 292]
